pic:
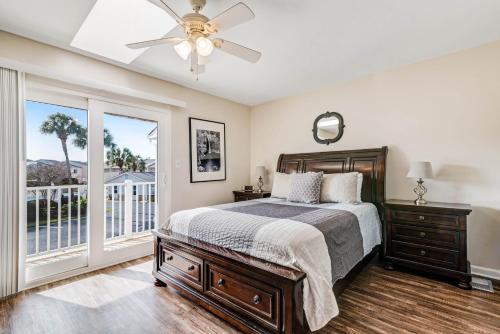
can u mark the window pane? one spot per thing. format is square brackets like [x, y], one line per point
[56, 179]
[130, 176]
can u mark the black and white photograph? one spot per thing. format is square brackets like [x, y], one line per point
[207, 144]
[208, 151]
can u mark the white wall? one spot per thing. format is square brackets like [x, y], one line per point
[445, 110]
[64, 64]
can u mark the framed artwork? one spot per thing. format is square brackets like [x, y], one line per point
[207, 147]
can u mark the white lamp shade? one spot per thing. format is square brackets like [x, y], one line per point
[260, 171]
[183, 49]
[204, 46]
[420, 170]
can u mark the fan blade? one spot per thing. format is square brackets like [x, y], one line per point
[176, 31]
[239, 13]
[147, 44]
[165, 7]
[237, 50]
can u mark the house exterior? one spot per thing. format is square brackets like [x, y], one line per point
[135, 177]
[151, 165]
[79, 170]
[141, 181]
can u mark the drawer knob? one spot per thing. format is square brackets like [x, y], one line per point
[422, 252]
[422, 234]
[257, 299]
[220, 282]
[169, 258]
[421, 217]
[190, 268]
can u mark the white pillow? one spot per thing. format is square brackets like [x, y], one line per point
[340, 188]
[360, 185]
[281, 185]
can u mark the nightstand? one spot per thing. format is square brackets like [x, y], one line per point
[240, 195]
[431, 238]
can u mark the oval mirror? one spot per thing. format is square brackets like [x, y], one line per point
[328, 128]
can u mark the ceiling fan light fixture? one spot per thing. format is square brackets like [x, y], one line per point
[183, 49]
[204, 46]
[197, 43]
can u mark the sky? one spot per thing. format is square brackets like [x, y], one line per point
[127, 132]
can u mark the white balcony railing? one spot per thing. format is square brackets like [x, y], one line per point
[56, 218]
[129, 210]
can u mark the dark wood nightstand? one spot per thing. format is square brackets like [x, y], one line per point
[431, 237]
[240, 195]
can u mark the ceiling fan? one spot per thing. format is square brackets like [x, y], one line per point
[198, 44]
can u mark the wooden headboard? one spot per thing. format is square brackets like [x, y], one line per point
[370, 162]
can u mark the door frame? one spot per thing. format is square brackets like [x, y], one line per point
[97, 257]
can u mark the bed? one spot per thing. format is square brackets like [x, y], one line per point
[271, 266]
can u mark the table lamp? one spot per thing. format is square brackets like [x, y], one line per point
[260, 172]
[420, 170]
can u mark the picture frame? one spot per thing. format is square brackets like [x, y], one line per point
[207, 150]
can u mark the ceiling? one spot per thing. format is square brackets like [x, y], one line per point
[305, 44]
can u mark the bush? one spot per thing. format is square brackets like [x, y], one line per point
[31, 209]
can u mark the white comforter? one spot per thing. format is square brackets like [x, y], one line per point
[299, 246]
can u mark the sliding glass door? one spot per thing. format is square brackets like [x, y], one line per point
[92, 189]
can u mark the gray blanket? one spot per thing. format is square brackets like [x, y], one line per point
[236, 225]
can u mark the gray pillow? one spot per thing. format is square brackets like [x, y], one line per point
[305, 187]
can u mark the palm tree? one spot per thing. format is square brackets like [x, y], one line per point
[81, 138]
[141, 164]
[62, 126]
[130, 161]
[119, 158]
[136, 163]
[133, 163]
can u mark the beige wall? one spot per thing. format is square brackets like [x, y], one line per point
[445, 110]
[42, 57]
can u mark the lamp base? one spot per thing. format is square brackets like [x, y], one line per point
[420, 201]
[420, 191]
[260, 184]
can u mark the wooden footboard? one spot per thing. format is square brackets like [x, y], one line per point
[254, 295]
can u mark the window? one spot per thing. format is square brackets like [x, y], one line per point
[56, 197]
[128, 149]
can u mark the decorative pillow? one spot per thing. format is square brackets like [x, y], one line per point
[341, 188]
[305, 187]
[281, 185]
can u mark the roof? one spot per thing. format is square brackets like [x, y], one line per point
[50, 162]
[133, 176]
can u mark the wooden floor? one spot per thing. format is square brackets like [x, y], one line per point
[123, 299]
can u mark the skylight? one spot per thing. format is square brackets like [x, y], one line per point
[111, 24]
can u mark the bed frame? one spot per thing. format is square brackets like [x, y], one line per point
[257, 296]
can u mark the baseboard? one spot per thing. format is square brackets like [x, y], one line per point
[486, 272]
